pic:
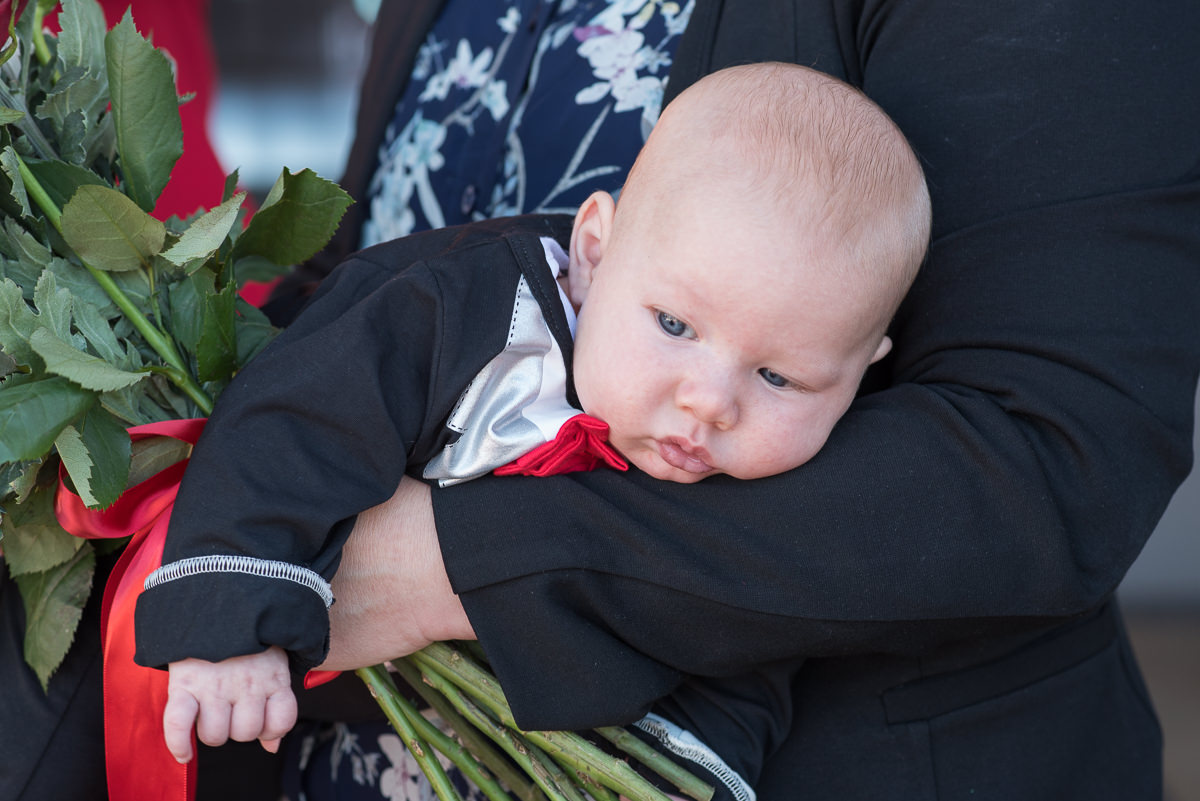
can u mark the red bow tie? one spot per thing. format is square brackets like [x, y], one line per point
[581, 444]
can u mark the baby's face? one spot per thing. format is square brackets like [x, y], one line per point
[713, 350]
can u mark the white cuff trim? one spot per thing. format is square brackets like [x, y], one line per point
[686, 745]
[263, 568]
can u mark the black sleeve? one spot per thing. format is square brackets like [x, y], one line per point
[319, 427]
[743, 719]
[1018, 446]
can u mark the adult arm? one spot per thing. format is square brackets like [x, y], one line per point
[1032, 424]
[367, 625]
[1019, 445]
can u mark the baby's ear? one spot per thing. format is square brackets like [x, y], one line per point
[885, 347]
[589, 238]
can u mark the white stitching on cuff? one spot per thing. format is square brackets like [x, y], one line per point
[263, 568]
[686, 745]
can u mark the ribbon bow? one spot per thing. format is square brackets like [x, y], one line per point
[581, 444]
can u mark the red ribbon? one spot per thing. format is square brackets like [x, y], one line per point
[581, 444]
[140, 768]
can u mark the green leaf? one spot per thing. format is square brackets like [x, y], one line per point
[81, 38]
[231, 183]
[109, 232]
[61, 180]
[216, 352]
[75, 458]
[254, 332]
[8, 365]
[31, 255]
[124, 405]
[298, 217]
[152, 455]
[145, 110]
[53, 305]
[54, 603]
[83, 287]
[96, 455]
[19, 480]
[10, 115]
[108, 443]
[9, 163]
[206, 234]
[88, 371]
[17, 323]
[33, 539]
[98, 333]
[33, 413]
[186, 300]
[73, 108]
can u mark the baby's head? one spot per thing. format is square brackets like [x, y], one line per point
[731, 301]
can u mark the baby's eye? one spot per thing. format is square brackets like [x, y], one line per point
[773, 378]
[673, 326]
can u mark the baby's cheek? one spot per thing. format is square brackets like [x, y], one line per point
[777, 451]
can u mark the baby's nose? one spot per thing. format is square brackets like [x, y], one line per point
[710, 399]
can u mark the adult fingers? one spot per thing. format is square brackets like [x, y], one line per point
[179, 715]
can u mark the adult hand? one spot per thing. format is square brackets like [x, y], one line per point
[393, 595]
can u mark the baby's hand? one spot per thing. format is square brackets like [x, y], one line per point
[244, 698]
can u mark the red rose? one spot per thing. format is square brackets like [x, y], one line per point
[9, 11]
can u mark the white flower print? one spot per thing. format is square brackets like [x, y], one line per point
[615, 59]
[495, 99]
[509, 22]
[420, 143]
[464, 86]
[402, 780]
[463, 72]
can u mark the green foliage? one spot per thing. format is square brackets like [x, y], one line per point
[54, 601]
[34, 542]
[32, 413]
[289, 226]
[145, 112]
[108, 231]
[109, 316]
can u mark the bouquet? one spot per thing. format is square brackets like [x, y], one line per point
[111, 319]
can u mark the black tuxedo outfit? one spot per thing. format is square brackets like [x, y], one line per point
[946, 564]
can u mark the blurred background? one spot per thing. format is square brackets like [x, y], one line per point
[288, 74]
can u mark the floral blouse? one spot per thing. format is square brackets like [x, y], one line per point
[523, 106]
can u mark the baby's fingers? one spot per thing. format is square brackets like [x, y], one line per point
[278, 719]
[212, 725]
[179, 716]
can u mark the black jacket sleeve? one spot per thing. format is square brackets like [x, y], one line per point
[320, 426]
[999, 471]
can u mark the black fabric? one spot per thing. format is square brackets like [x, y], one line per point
[325, 422]
[1021, 442]
[999, 474]
[53, 740]
[353, 394]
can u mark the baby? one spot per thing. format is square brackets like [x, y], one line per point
[727, 308]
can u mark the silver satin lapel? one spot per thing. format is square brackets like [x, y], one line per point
[515, 403]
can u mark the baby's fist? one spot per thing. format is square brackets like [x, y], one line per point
[244, 698]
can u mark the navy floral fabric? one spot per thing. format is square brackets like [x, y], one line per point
[360, 762]
[522, 106]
